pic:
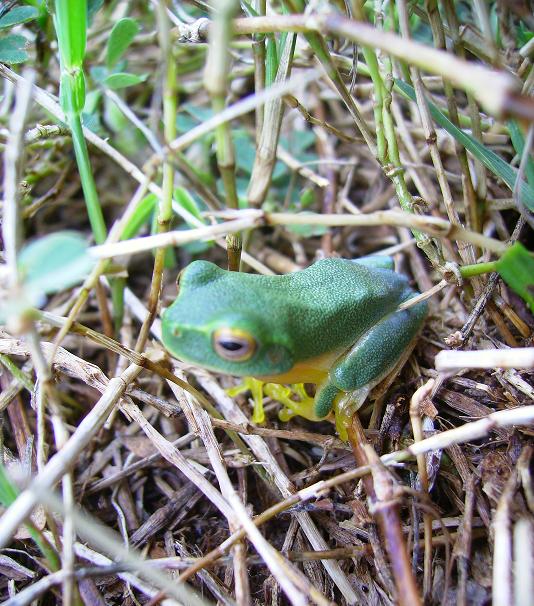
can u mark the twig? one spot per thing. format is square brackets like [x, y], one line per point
[273, 112]
[520, 357]
[13, 161]
[468, 432]
[385, 509]
[432, 225]
[493, 89]
[417, 427]
[165, 201]
[63, 460]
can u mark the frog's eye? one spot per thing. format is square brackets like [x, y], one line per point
[233, 344]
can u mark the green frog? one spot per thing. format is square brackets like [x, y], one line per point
[335, 324]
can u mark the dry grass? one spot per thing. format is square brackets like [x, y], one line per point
[146, 482]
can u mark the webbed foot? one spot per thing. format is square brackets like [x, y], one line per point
[304, 406]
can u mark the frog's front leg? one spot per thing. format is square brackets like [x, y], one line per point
[294, 399]
[256, 389]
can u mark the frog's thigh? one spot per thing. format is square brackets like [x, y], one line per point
[376, 351]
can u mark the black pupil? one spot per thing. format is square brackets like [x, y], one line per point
[231, 345]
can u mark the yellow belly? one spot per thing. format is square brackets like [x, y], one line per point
[313, 370]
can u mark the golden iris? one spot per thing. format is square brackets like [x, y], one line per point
[234, 344]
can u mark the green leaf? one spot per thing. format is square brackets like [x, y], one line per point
[18, 15]
[54, 262]
[98, 73]
[92, 122]
[122, 35]
[12, 49]
[490, 159]
[245, 151]
[516, 268]
[297, 142]
[122, 80]
[308, 231]
[198, 112]
[307, 197]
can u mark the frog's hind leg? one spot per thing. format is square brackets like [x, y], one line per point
[325, 398]
[343, 404]
[376, 262]
[377, 351]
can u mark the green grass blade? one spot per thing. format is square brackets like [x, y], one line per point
[139, 217]
[94, 210]
[271, 61]
[8, 494]
[123, 80]
[71, 27]
[490, 159]
[518, 141]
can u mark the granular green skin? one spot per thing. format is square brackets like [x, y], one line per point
[327, 307]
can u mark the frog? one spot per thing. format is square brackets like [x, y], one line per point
[335, 324]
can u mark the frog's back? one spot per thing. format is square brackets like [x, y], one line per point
[337, 300]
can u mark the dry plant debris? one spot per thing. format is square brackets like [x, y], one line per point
[263, 135]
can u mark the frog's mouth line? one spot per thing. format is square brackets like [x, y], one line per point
[313, 370]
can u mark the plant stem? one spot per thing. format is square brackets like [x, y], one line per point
[387, 145]
[316, 41]
[380, 491]
[165, 202]
[494, 90]
[258, 51]
[477, 269]
[94, 210]
[216, 81]
[265, 159]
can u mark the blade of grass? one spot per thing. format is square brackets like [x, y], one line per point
[518, 141]
[490, 159]
[8, 494]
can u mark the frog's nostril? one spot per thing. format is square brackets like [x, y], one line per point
[176, 331]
